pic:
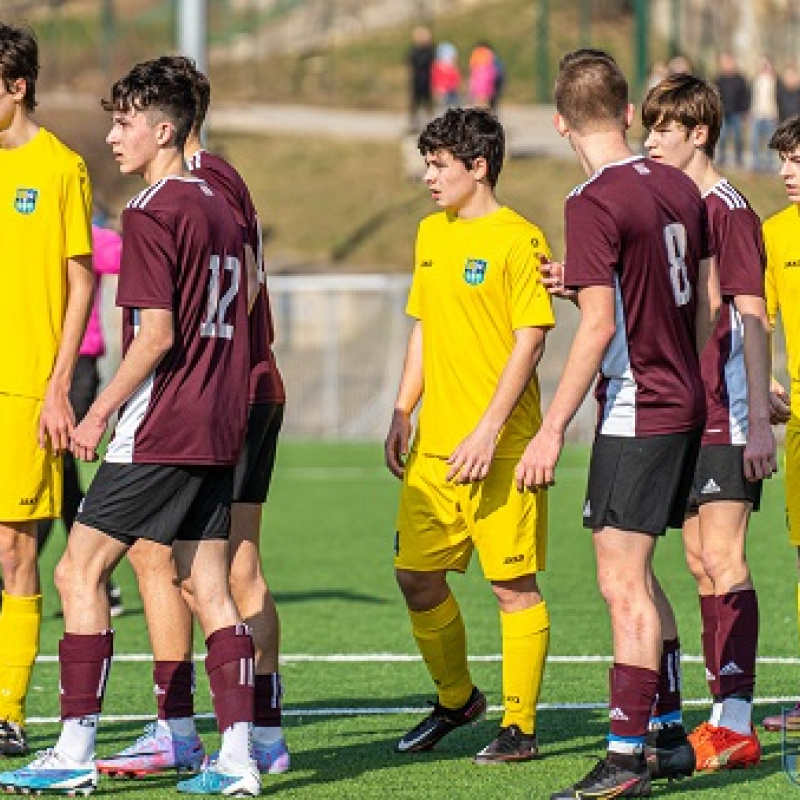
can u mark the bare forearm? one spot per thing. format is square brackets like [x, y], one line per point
[412, 380]
[80, 293]
[758, 364]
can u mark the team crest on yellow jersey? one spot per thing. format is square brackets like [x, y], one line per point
[475, 271]
[25, 201]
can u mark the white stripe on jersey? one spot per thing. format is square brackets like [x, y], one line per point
[727, 194]
[578, 189]
[146, 195]
[736, 380]
[619, 410]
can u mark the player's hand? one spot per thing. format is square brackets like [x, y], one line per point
[85, 438]
[760, 459]
[395, 448]
[553, 280]
[779, 408]
[537, 467]
[470, 461]
[57, 418]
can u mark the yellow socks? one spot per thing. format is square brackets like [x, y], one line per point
[20, 621]
[526, 638]
[442, 640]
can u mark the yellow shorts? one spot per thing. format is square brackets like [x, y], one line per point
[793, 480]
[440, 523]
[31, 478]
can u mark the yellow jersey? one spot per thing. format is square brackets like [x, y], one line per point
[45, 218]
[782, 282]
[476, 281]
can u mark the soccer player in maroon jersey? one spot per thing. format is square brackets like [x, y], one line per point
[168, 470]
[683, 115]
[173, 740]
[640, 257]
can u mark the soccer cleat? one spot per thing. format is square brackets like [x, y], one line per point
[510, 745]
[607, 780]
[13, 741]
[702, 731]
[669, 753]
[156, 750]
[776, 723]
[272, 759]
[51, 772]
[218, 778]
[723, 748]
[440, 722]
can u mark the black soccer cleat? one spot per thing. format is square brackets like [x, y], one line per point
[13, 741]
[669, 753]
[607, 780]
[510, 745]
[440, 722]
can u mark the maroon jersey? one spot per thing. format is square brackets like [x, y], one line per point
[266, 384]
[641, 229]
[183, 252]
[736, 230]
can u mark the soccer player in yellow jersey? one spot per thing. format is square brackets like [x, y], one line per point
[481, 316]
[782, 241]
[45, 264]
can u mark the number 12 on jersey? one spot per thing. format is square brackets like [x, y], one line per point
[214, 324]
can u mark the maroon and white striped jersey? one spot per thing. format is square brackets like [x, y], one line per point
[641, 228]
[183, 251]
[736, 230]
[266, 384]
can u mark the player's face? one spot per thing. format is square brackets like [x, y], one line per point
[790, 172]
[133, 141]
[449, 181]
[671, 143]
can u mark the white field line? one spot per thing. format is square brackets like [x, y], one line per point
[401, 658]
[366, 711]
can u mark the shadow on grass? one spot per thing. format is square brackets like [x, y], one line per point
[328, 594]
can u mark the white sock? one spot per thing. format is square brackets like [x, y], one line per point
[179, 726]
[716, 713]
[267, 736]
[737, 715]
[236, 746]
[78, 737]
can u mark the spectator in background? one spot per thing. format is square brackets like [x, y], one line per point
[735, 94]
[678, 65]
[499, 78]
[481, 76]
[106, 251]
[788, 91]
[445, 76]
[420, 62]
[658, 71]
[763, 114]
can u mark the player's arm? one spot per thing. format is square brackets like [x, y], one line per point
[471, 460]
[595, 331]
[709, 302]
[759, 452]
[408, 395]
[253, 276]
[57, 418]
[153, 340]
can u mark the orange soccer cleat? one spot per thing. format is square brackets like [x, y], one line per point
[722, 748]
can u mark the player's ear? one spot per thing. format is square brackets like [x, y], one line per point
[165, 131]
[699, 135]
[630, 112]
[480, 168]
[560, 124]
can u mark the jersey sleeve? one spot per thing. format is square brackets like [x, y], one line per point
[77, 209]
[592, 244]
[414, 303]
[530, 303]
[149, 269]
[740, 253]
[770, 286]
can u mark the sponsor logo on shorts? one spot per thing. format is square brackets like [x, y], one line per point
[426, 263]
[513, 559]
[793, 263]
[475, 271]
[27, 501]
[711, 487]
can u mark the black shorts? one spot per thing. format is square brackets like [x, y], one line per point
[159, 502]
[720, 476]
[254, 470]
[640, 483]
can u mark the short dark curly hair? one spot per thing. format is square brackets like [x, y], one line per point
[786, 138]
[19, 60]
[467, 133]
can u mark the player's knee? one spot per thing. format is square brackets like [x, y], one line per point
[422, 590]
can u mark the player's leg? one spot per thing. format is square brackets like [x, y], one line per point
[511, 543]
[171, 742]
[31, 491]
[249, 587]
[431, 539]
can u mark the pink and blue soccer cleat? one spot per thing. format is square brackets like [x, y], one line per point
[156, 750]
[217, 777]
[272, 759]
[51, 773]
